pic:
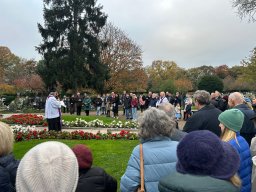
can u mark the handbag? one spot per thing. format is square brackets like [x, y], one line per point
[141, 187]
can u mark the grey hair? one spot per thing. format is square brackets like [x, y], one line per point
[168, 108]
[155, 122]
[237, 97]
[202, 97]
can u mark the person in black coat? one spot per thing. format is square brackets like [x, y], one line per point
[206, 118]
[127, 105]
[72, 102]
[79, 103]
[248, 130]
[8, 164]
[114, 103]
[93, 179]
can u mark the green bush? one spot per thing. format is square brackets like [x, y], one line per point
[210, 83]
[8, 99]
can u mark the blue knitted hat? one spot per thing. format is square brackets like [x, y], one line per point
[203, 153]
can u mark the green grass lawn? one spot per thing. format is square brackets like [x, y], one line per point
[105, 119]
[112, 155]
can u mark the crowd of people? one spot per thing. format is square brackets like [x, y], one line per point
[105, 104]
[214, 152]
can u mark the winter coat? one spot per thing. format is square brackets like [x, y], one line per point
[8, 169]
[95, 179]
[153, 102]
[72, 101]
[204, 119]
[161, 100]
[245, 169]
[87, 103]
[177, 135]
[253, 154]
[147, 100]
[141, 101]
[177, 182]
[52, 108]
[188, 109]
[114, 103]
[108, 103]
[127, 102]
[134, 103]
[248, 126]
[219, 103]
[79, 101]
[254, 107]
[159, 160]
[177, 100]
[98, 102]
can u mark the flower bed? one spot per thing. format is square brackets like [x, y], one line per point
[98, 123]
[28, 133]
[33, 119]
[26, 119]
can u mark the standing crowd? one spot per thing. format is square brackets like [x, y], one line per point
[106, 104]
[214, 152]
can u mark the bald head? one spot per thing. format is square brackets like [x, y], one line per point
[235, 98]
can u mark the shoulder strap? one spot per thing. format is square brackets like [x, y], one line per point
[141, 169]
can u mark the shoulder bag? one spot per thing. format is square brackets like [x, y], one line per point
[141, 187]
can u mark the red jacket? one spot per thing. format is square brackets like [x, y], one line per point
[134, 102]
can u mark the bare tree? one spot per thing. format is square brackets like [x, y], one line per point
[246, 8]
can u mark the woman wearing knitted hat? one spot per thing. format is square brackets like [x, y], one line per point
[8, 164]
[93, 179]
[47, 167]
[205, 163]
[231, 122]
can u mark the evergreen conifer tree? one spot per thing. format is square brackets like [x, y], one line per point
[70, 46]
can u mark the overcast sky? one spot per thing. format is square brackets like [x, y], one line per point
[190, 32]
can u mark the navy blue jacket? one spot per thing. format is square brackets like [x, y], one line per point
[8, 169]
[248, 125]
[245, 169]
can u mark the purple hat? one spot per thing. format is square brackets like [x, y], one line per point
[203, 153]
